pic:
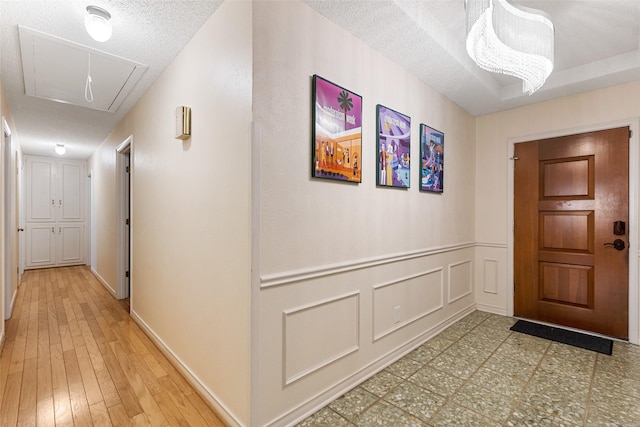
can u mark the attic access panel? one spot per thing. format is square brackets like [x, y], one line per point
[57, 69]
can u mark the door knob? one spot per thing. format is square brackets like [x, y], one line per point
[617, 244]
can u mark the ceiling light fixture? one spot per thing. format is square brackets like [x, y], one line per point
[98, 24]
[60, 149]
[513, 40]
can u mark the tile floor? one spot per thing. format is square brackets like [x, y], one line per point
[479, 373]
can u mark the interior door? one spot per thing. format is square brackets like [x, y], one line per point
[571, 214]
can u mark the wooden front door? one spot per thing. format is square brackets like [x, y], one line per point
[571, 203]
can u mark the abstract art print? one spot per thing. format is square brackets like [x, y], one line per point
[431, 159]
[393, 132]
[337, 132]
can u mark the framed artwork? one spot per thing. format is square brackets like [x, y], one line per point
[393, 148]
[337, 132]
[431, 159]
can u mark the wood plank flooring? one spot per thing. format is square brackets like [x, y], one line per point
[74, 357]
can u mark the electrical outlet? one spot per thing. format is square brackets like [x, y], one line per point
[396, 314]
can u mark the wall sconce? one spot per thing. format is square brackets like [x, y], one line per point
[183, 122]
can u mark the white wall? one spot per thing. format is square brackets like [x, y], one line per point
[495, 135]
[190, 278]
[335, 259]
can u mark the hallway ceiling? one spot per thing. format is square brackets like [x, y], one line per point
[146, 32]
[597, 45]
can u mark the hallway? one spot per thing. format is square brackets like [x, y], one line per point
[73, 356]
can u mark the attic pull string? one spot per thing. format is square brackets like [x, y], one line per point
[88, 92]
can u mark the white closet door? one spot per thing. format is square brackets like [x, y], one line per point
[70, 194]
[70, 248]
[41, 245]
[40, 190]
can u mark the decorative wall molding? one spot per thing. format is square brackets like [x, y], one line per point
[334, 391]
[188, 375]
[398, 282]
[491, 245]
[288, 317]
[490, 276]
[469, 289]
[290, 277]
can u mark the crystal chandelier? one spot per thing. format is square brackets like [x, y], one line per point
[511, 40]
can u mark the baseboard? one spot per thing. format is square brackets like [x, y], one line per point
[12, 306]
[221, 409]
[104, 283]
[327, 396]
[491, 309]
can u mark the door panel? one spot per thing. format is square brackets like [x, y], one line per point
[70, 243]
[40, 190]
[71, 191]
[41, 249]
[568, 193]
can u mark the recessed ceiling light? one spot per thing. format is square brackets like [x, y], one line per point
[98, 24]
[60, 149]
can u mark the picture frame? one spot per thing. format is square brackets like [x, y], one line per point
[393, 148]
[431, 159]
[337, 132]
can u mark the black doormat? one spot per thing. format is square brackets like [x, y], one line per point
[576, 339]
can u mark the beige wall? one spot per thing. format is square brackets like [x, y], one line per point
[495, 134]
[104, 213]
[12, 219]
[190, 281]
[4, 108]
[336, 259]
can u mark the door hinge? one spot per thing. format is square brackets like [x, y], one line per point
[127, 169]
[126, 221]
[126, 274]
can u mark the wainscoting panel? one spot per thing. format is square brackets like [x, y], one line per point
[490, 277]
[403, 301]
[460, 280]
[318, 334]
[492, 293]
[326, 328]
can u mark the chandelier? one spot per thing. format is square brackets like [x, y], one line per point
[513, 40]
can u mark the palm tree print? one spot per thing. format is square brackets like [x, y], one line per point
[346, 104]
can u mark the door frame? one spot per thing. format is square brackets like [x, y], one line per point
[10, 225]
[634, 211]
[124, 248]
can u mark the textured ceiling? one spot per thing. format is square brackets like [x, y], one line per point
[597, 45]
[151, 32]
